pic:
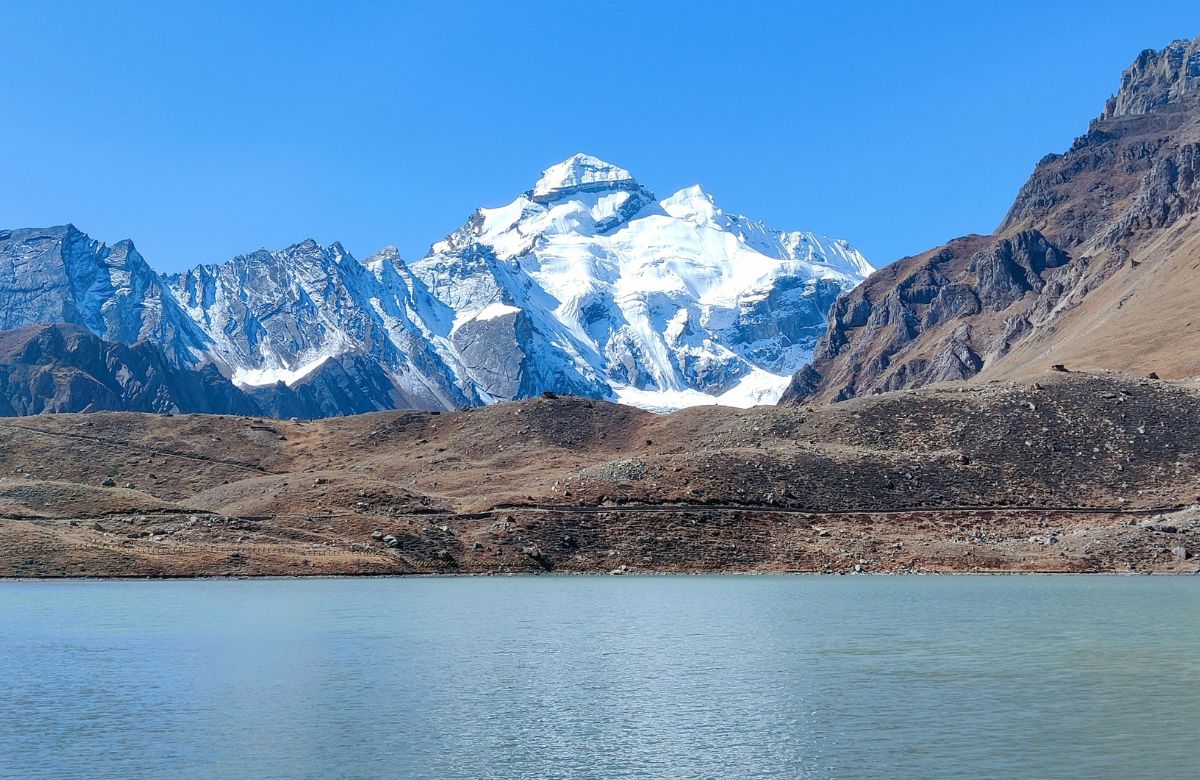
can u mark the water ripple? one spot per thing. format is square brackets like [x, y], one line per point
[589, 677]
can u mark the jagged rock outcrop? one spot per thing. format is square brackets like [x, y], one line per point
[289, 316]
[1090, 268]
[60, 275]
[916, 333]
[1169, 192]
[1155, 79]
[350, 383]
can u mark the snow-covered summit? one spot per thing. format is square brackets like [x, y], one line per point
[580, 172]
[833, 256]
[388, 256]
[692, 204]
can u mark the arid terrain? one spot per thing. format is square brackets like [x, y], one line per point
[1070, 473]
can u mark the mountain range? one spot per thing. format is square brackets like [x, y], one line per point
[586, 284]
[589, 285]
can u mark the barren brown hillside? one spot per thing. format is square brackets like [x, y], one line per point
[1071, 473]
[1095, 266]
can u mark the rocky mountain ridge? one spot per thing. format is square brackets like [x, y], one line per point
[65, 368]
[1157, 78]
[585, 284]
[1092, 267]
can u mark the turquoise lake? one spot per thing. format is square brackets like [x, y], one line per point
[602, 677]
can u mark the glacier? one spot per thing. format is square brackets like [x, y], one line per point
[585, 284]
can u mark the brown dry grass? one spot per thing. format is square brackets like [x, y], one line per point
[948, 478]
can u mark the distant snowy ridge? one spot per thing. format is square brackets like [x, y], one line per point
[585, 284]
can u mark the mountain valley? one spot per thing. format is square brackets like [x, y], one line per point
[1023, 401]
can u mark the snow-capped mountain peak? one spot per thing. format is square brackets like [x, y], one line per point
[386, 257]
[693, 204]
[580, 173]
[661, 303]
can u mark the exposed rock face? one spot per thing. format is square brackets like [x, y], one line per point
[919, 332]
[1010, 268]
[773, 329]
[1170, 192]
[64, 368]
[1089, 268]
[491, 350]
[1157, 78]
[350, 383]
[59, 275]
[279, 316]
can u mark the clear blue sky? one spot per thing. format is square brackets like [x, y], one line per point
[203, 130]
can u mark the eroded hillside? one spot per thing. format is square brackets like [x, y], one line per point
[1094, 267]
[1068, 473]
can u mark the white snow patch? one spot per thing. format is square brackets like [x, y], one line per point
[758, 388]
[258, 377]
[495, 310]
[490, 312]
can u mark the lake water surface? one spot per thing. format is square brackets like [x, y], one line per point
[615, 677]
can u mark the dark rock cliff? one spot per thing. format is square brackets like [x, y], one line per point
[64, 368]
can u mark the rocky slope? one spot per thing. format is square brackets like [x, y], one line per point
[65, 368]
[1072, 473]
[585, 284]
[60, 275]
[1094, 266]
